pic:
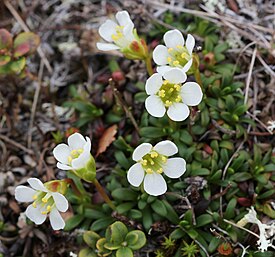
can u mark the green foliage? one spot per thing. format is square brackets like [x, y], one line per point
[118, 241]
[13, 52]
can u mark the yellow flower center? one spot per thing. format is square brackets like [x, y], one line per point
[178, 56]
[169, 93]
[45, 201]
[74, 154]
[153, 162]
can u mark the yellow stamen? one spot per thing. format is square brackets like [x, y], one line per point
[169, 59]
[168, 103]
[178, 99]
[179, 46]
[34, 197]
[149, 171]
[34, 204]
[144, 162]
[170, 50]
[164, 159]
[160, 170]
[44, 212]
[162, 93]
[177, 87]
[154, 154]
[80, 150]
[44, 200]
[70, 159]
[184, 55]
[176, 63]
[171, 90]
[152, 162]
[49, 208]
[165, 82]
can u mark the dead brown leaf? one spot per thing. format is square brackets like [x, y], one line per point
[106, 139]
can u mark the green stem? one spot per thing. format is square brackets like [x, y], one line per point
[102, 192]
[148, 62]
[74, 187]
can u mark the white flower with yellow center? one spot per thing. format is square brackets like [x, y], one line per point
[170, 94]
[75, 155]
[45, 202]
[176, 52]
[152, 162]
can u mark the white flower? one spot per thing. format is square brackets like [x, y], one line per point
[75, 155]
[171, 94]
[118, 34]
[44, 202]
[175, 53]
[151, 163]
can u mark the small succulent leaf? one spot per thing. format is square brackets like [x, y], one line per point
[124, 252]
[87, 252]
[100, 244]
[21, 50]
[134, 243]
[4, 59]
[26, 38]
[116, 232]
[17, 66]
[111, 246]
[5, 39]
[91, 238]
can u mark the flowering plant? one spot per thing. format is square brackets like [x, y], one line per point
[151, 163]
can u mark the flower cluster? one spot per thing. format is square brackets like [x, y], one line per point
[152, 162]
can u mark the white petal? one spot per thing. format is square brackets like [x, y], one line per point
[187, 66]
[191, 93]
[166, 148]
[35, 215]
[154, 184]
[141, 150]
[178, 112]
[107, 46]
[76, 141]
[128, 32]
[24, 194]
[56, 220]
[135, 175]
[190, 43]
[160, 55]
[174, 167]
[172, 38]
[163, 69]
[60, 201]
[36, 184]
[107, 29]
[153, 84]
[63, 166]
[175, 75]
[123, 18]
[61, 153]
[83, 158]
[155, 106]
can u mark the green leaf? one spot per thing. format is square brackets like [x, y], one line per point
[124, 207]
[185, 137]
[159, 208]
[136, 239]
[230, 209]
[116, 233]
[5, 39]
[87, 252]
[147, 218]
[122, 160]
[25, 43]
[204, 219]
[241, 176]
[124, 194]
[90, 238]
[73, 222]
[135, 214]
[200, 172]
[214, 243]
[101, 223]
[152, 132]
[177, 234]
[124, 252]
[172, 214]
[4, 59]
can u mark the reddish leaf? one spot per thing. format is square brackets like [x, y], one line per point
[106, 139]
[25, 40]
[21, 50]
[5, 39]
[4, 59]
[243, 201]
